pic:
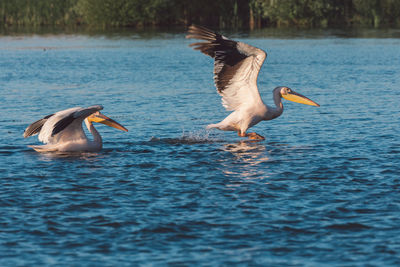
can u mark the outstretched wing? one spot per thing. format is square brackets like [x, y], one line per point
[236, 67]
[36, 127]
[66, 125]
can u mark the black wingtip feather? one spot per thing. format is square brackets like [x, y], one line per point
[216, 46]
[36, 127]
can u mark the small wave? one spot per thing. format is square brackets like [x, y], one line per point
[389, 171]
[166, 228]
[349, 226]
[6, 153]
[357, 159]
[67, 155]
[9, 149]
[189, 138]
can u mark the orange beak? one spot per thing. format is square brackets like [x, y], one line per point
[100, 118]
[299, 98]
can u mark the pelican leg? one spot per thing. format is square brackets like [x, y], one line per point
[242, 134]
[252, 136]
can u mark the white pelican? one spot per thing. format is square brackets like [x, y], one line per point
[63, 132]
[236, 69]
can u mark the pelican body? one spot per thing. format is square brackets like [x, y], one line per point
[236, 68]
[63, 132]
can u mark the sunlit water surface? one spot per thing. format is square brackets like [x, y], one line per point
[322, 189]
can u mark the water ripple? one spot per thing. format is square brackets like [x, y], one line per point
[322, 189]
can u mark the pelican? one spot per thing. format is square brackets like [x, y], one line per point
[236, 68]
[63, 132]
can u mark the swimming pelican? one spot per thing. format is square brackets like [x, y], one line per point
[63, 132]
[236, 69]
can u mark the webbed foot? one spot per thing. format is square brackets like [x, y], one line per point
[255, 136]
[251, 136]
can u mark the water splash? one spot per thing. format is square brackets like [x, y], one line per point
[190, 138]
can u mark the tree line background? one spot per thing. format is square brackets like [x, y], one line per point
[217, 13]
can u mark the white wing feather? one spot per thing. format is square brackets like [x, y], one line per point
[73, 131]
[241, 90]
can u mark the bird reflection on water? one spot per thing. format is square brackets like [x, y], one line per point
[249, 151]
[247, 155]
[87, 156]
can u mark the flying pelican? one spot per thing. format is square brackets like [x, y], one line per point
[236, 69]
[63, 132]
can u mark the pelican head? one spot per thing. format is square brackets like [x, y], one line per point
[101, 118]
[291, 95]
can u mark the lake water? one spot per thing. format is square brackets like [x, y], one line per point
[323, 188]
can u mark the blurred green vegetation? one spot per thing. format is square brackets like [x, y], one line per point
[216, 13]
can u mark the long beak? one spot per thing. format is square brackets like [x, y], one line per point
[100, 118]
[299, 98]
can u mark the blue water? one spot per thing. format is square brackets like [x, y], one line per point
[323, 189]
